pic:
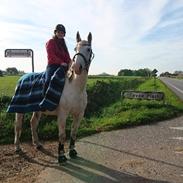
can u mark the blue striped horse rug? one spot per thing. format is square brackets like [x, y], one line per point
[29, 94]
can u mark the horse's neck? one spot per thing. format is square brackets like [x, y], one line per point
[79, 81]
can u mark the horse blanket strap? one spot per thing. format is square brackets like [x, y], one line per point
[29, 94]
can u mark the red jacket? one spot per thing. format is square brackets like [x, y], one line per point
[56, 54]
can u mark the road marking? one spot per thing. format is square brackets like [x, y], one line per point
[178, 150]
[176, 128]
[175, 87]
[177, 138]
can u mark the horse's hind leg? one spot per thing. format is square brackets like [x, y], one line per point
[34, 124]
[62, 137]
[18, 130]
[74, 129]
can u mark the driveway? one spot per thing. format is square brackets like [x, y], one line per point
[143, 154]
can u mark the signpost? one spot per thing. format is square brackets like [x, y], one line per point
[20, 53]
[154, 75]
[143, 95]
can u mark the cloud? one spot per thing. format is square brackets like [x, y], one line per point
[170, 25]
[126, 34]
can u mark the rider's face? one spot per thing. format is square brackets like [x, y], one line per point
[60, 34]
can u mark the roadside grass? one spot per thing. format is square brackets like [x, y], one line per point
[111, 112]
[132, 112]
[7, 85]
[170, 97]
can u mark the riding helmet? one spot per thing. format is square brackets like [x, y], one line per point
[60, 27]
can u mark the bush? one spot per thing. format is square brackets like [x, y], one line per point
[104, 93]
[4, 101]
[1, 73]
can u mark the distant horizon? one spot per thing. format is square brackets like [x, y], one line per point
[103, 73]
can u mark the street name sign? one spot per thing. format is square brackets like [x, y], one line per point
[18, 53]
[143, 95]
[21, 53]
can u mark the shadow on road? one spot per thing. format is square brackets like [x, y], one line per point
[87, 171]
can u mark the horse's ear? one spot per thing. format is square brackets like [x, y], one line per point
[89, 37]
[78, 38]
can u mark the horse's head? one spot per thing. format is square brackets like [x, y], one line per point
[84, 54]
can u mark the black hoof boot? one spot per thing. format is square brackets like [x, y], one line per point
[18, 151]
[39, 147]
[73, 153]
[62, 159]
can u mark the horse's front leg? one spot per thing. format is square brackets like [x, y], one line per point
[18, 130]
[34, 124]
[74, 129]
[62, 137]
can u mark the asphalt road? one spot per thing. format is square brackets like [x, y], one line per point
[176, 85]
[144, 154]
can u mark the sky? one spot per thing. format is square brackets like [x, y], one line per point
[126, 34]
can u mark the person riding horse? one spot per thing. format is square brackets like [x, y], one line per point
[73, 101]
[57, 55]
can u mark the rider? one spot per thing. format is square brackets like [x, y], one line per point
[58, 57]
[57, 53]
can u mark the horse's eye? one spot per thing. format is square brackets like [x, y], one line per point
[88, 49]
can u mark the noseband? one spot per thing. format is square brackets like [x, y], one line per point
[87, 62]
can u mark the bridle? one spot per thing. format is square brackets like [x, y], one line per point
[86, 62]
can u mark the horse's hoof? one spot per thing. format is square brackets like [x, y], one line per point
[18, 150]
[73, 153]
[62, 159]
[39, 147]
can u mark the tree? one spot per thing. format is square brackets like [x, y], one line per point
[154, 73]
[1, 73]
[165, 74]
[12, 71]
[125, 72]
[178, 72]
[140, 72]
[148, 72]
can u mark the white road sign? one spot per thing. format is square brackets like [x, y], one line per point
[18, 53]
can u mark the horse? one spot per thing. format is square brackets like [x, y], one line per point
[73, 101]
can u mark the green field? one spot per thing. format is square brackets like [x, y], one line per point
[105, 110]
[7, 85]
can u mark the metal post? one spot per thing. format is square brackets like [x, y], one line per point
[32, 59]
[20, 53]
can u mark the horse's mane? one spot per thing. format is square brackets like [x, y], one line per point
[70, 73]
